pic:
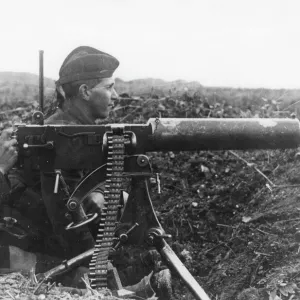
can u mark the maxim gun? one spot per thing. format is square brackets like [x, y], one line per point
[117, 151]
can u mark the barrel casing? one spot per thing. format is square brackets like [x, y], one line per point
[172, 134]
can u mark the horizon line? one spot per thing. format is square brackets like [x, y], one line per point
[170, 81]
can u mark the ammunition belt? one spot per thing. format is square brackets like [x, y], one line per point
[106, 231]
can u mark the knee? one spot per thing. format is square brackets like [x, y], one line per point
[21, 260]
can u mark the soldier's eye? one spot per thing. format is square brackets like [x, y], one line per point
[109, 87]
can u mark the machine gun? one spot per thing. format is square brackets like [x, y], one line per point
[118, 151]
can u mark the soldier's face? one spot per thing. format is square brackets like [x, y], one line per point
[101, 98]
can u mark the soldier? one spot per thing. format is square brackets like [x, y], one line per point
[85, 93]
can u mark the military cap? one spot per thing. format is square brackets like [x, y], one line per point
[85, 63]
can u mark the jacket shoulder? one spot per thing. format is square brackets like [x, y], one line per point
[59, 117]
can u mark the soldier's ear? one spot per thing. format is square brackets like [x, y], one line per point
[84, 92]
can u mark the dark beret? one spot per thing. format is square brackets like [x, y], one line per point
[85, 63]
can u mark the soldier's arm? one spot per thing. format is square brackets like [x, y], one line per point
[8, 157]
[8, 152]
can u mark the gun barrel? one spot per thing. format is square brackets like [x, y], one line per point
[171, 134]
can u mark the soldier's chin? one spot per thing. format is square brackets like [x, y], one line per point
[101, 120]
[102, 116]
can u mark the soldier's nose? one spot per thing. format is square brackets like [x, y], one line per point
[114, 95]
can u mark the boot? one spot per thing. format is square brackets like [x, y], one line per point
[162, 284]
[137, 273]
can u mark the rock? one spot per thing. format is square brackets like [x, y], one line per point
[204, 169]
[186, 255]
[249, 294]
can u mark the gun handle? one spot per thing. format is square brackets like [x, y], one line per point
[80, 218]
[172, 260]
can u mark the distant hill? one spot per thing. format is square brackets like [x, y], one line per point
[16, 87]
[137, 87]
[158, 87]
[25, 78]
[22, 86]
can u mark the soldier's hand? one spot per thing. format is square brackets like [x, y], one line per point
[8, 152]
[94, 203]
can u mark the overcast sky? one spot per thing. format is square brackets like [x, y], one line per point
[238, 43]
